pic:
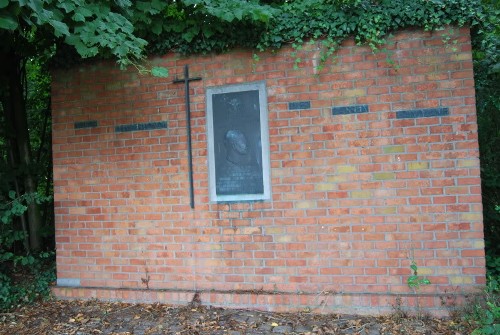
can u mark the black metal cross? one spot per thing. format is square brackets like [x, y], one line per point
[186, 81]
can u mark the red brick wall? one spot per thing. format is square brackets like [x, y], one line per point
[354, 196]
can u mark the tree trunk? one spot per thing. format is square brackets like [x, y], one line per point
[16, 117]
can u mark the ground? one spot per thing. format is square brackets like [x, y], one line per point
[58, 317]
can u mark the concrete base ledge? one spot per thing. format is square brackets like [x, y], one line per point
[323, 302]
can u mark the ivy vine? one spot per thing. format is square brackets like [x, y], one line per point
[206, 26]
[332, 21]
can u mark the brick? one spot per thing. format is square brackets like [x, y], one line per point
[346, 169]
[468, 163]
[305, 204]
[471, 216]
[361, 194]
[384, 175]
[418, 166]
[394, 149]
[325, 187]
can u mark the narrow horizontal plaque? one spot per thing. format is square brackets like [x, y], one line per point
[141, 126]
[85, 124]
[355, 109]
[72, 282]
[299, 105]
[416, 113]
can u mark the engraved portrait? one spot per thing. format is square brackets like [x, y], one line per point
[239, 171]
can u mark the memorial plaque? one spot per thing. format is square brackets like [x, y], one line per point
[238, 142]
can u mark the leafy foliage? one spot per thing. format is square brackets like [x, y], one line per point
[204, 29]
[36, 275]
[485, 314]
[119, 28]
[24, 275]
[32, 282]
[90, 27]
[415, 281]
[486, 52]
[203, 26]
[195, 26]
[9, 210]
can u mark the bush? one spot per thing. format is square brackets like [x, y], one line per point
[27, 284]
[486, 53]
[24, 276]
[492, 264]
[485, 314]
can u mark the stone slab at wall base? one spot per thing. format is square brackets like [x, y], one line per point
[323, 302]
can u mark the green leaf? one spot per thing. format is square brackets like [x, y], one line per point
[6, 217]
[227, 16]
[6, 256]
[67, 6]
[158, 4]
[4, 3]
[161, 72]
[123, 3]
[12, 194]
[412, 281]
[157, 27]
[144, 6]
[8, 21]
[77, 17]
[84, 11]
[208, 31]
[488, 330]
[60, 28]
[190, 34]
[238, 13]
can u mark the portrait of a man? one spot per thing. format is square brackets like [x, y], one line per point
[239, 171]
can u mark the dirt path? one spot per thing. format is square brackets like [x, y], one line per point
[105, 318]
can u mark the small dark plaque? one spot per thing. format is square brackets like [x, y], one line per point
[140, 126]
[427, 112]
[238, 142]
[299, 105]
[85, 124]
[356, 109]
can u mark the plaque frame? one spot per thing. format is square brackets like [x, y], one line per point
[216, 124]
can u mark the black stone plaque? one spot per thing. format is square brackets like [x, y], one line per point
[343, 110]
[426, 112]
[141, 126]
[238, 142]
[85, 124]
[294, 105]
